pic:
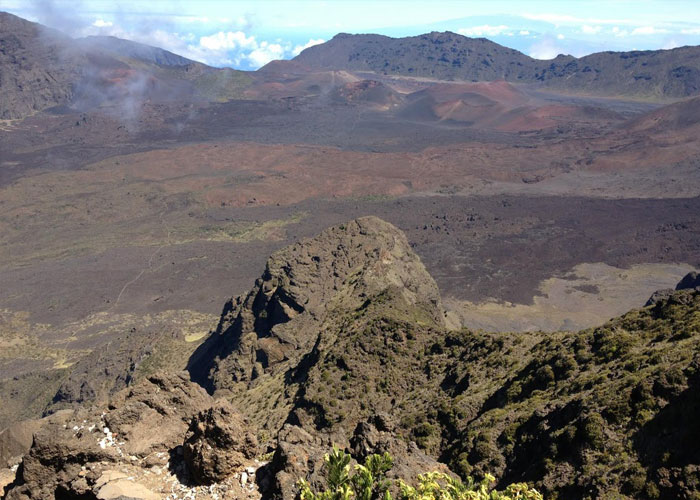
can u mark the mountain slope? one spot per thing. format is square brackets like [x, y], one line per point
[133, 50]
[341, 341]
[448, 56]
[324, 344]
[35, 70]
[41, 68]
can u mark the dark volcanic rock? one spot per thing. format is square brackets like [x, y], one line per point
[163, 402]
[140, 424]
[688, 282]
[298, 454]
[217, 443]
[279, 320]
[375, 436]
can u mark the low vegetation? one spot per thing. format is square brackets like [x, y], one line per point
[369, 481]
[576, 414]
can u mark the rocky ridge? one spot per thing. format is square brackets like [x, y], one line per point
[342, 342]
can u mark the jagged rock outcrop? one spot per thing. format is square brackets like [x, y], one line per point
[280, 319]
[298, 454]
[218, 443]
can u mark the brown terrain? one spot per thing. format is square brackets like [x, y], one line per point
[140, 190]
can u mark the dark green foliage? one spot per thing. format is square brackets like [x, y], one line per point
[580, 415]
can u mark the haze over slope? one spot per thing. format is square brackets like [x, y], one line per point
[42, 68]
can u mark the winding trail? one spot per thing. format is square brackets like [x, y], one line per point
[148, 265]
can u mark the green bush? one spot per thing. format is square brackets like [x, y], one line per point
[369, 482]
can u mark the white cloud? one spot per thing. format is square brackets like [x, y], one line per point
[560, 36]
[691, 31]
[193, 19]
[648, 30]
[590, 30]
[551, 18]
[314, 41]
[483, 30]
[524, 32]
[265, 53]
[228, 40]
[559, 19]
[671, 44]
[546, 48]
[101, 23]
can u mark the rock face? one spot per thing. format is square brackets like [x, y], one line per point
[218, 443]
[16, 440]
[299, 454]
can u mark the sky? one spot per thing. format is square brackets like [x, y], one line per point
[246, 34]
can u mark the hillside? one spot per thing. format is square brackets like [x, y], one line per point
[342, 341]
[36, 74]
[42, 68]
[449, 56]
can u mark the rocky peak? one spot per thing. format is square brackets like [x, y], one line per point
[303, 285]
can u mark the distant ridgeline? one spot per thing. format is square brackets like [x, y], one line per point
[449, 56]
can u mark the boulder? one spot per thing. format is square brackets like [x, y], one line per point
[298, 455]
[7, 477]
[218, 443]
[162, 402]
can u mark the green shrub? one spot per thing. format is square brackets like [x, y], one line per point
[440, 486]
[369, 482]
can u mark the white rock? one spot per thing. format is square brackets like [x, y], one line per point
[124, 488]
[107, 476]
[244, 478]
